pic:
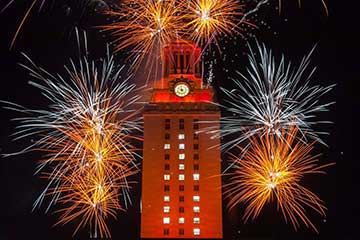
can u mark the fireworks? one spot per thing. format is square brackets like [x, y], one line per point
[86, 136]
[145, 27]
[273, 97]
[272, 170]
[210, 18]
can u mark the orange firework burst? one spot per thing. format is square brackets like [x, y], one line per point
[145, 26]
[273, 169]
[209, 18]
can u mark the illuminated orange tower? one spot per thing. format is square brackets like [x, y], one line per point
[181, 182]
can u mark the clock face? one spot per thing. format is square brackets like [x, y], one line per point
[181, 89]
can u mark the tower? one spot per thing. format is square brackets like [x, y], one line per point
[181, 182]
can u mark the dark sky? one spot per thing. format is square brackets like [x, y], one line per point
[48, 38]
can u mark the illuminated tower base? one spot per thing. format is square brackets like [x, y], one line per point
[181, 182]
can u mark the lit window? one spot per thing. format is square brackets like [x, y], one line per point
[181, 136]
[181, 146]
[181, 166]
[196, 176]
[181, 177]
[166, 198]
[196, 198]
[166, 209]
[166, 220]
[196, 231]
[167, 177]
[167, 146]
[196, 209]
[196, 220]
[182, 156]
[181, 220]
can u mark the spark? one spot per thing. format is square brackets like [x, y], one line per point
[270, 98]
[86, 137]
[272, 170]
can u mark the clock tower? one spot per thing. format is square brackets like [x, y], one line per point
[181, 181]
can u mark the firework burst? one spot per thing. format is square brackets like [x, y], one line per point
[272, 170]
[272, 97]
[85, 136]
[207, 19]
[145, 27]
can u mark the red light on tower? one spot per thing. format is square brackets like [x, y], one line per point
[181, 182]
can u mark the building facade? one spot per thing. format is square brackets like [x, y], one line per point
[181, 181]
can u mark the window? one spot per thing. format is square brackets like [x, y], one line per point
[167, 124]
[196, 220]
[181, 199]
[166, 198]
[181, 136]
[196, 177]
[181, 209]
[167, 136]
[196, 123]
[181, 166]
[196, 136]
[167, 156]
[181, 124]
[166, 231]
[196, 166]
[181, 177]
[196, 188]
[196, 146]
[181, 231]
[167, 167]
[196, 198]
[182, 156]
[181, 146]
[167, 146]
[196, 156]
[166, 220]
[196, 209]
[181, 188]
[181, 220]
[196, 231]
[166, 209]
[166, 188]
[166, 177]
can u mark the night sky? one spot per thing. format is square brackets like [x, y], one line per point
[48, 38]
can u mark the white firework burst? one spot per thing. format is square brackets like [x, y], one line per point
[272, 97]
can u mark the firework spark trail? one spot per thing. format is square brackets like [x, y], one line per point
[272, 170]
[270, 98]
[85, 136]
